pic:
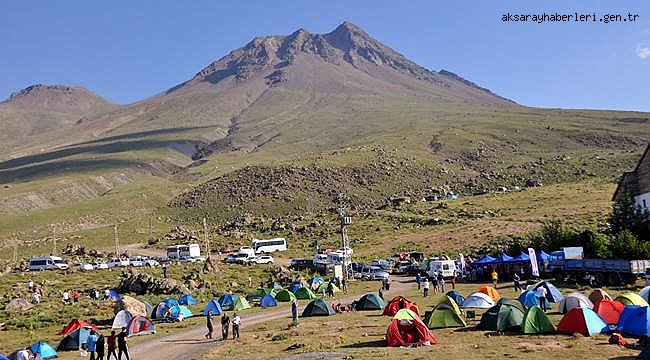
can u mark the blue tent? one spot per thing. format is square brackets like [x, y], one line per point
[503, 258]
[187, 299]
[180, 309]
[75, 340]
[644, 355]
[529, 299]
[487, 259]
[634, 321]
[227, 301]
[115, 295]
[553, 295]
[2, 357]
[268, 300]
[170, 302]
[543, 257]
[43, 350]
[159, 311]
[213, 306]
[317, 280]
[294, 287]
[457, 297]
[522, 257]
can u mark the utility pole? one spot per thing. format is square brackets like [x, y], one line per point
[345, 244]
[15, 249]
[205, 238]
[117, 241]
[53, 239]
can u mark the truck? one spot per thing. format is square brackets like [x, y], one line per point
[605, 271]
[440, 266]
[184, 252]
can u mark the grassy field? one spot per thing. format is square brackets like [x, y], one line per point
[361, 335]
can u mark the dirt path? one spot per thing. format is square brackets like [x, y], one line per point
[192, 345]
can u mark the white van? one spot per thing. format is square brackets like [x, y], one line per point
[446, 267]
[47, 263]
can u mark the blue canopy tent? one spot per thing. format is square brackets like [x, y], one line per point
[503, 258]
[521, 258]
[44, 350]
[187, 299]
[213, 306]
[543, 257]
[294, 287]
[485, 260]
[268, 301]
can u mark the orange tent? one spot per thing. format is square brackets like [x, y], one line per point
[400, 302]
[75, 324]
[490, 291]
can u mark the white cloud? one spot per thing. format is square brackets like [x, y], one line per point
[643, 51]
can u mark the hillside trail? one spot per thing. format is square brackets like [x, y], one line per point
[191, 344]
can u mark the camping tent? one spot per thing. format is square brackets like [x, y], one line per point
[177, 310]
[397, 303]
[318, 307]
[406, 329]
[285, 295]
[148, 306]
[74, 340]
[536, 322]
[170, 302]
[490, 291]
[132, 305]
[315, 282]
[2, 357]
[487, 259]
[240, 304]
[268, 301]
[259, 294]
[122, 319]
[598, 294]
[553, 295]
[583, 321]
[114, 295]
[370, 302]
[140, 325]
[304, 293]
[213, 305]
[609, 310]
[159, 311]
[445, 314]
[43, 350]
[629, 298]
[478, 300]
[187, 299]
[645, 294]
[529, 298]
[227, 301]
[74, 325]
[323, 287]
[506, 316]
[18, 304]
[574, 300]
[456, 296]
[634, 321]
[293, 287]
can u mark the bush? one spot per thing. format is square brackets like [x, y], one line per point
[595, 244]
[627, 246]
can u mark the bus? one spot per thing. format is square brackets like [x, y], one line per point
[269, 246]
[183, 252]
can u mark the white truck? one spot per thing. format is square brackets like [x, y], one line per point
[446, 267]
[189, 252]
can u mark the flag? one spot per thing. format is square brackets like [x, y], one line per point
[533, 262]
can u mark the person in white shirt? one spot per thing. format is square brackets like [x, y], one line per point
[30, 285]
[541, 294]
[66, 297]
[425, 286]
[36, 297]
[236, 322]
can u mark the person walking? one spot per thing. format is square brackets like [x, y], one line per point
[541, 294]
[225, 324]
[111, 343]
[381, 293]
[425, 287]
[294, 311]
[101, 342]
[91, 344]
[208, 324]
[164, 270]
[495, 278]
[515, 280]
[66, 296]
[330, 290]
[122, 347]
[418, 280]
[30, 285]
[441, 282]
[236, 323]
[453, 281]
[435, 283]
[75, 296]
[36, 297]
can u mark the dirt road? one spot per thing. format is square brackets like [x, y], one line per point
[192, 345]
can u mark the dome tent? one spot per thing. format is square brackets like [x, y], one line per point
[285, 296]
[122, 319]
[553, 295]
[177, 310]
[634, 321]
[583, 321]
[490, 291]
[140, 325]
[187, 299]
[397, 303]
[268, 301]
[456, 296]
[529, 298]
[75, 340]
[318, 307]
[574, 300]
[505, 316]
[159, 311]
[445, 314]
[536, 322]
[478, 300]
[44, 350]
[598, 294]
[213, 305]
[304, 293]
[74, 325]
[629, 298]
[609, 310]
[406, 329]
[370, 302]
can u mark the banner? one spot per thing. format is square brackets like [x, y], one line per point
[462, 263]
[533, 262]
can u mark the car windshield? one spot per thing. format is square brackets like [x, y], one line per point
[59, 262]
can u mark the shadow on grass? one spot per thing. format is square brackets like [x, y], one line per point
[366, 344]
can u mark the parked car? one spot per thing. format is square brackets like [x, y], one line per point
[100, 266]
[373, 273]
[236, 258]
[385, 265]
[150, 262]
[47, 263]
[83, 267]
[117, 263]
[136, 261]
[301, 264]
[262, 259]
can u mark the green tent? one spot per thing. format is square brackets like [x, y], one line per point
[504, 316]
[445, 314]
[304, 294]
[629, 299]
[536, 322]
[285, 295]
[323, 287]
[318, 307]
[240, 303]
[370, 302]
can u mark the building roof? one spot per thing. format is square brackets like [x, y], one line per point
[637, 182]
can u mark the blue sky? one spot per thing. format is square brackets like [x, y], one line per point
[129, 50]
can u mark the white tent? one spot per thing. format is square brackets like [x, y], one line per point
[478, 300]
[122, 319]
[575, 300]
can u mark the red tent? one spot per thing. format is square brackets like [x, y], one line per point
[609, 310]
[75, 324]
[399, 302]
[406, 329]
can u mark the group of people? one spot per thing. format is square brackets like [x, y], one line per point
[114, 346]
[70, 296]
[37, 292]
[437, 280]
[226, 323]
